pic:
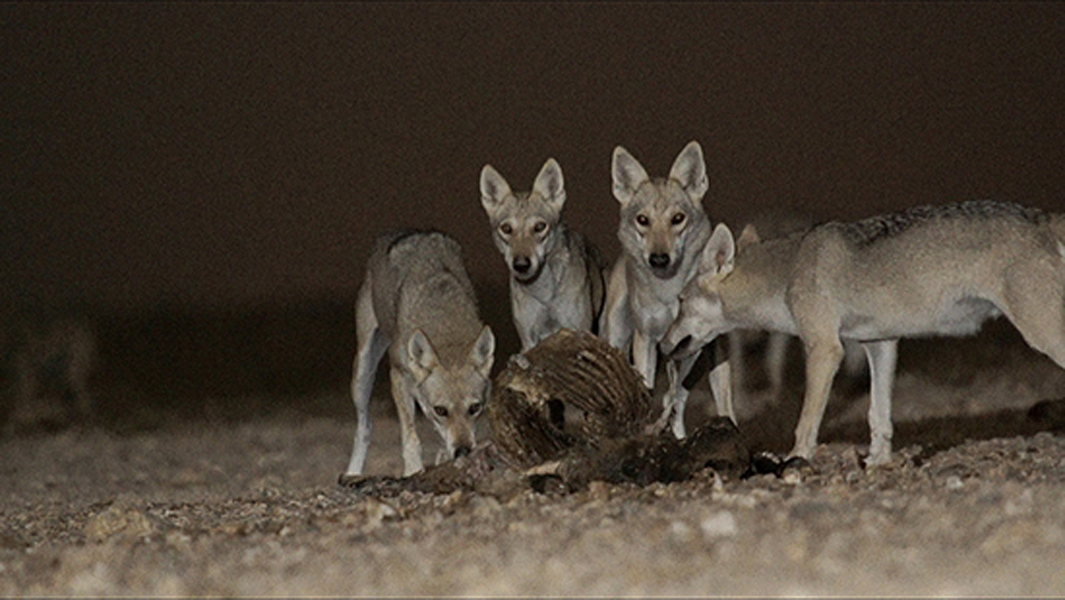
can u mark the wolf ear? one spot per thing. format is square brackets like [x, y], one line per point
[690, 171]
[748, 236]
[483, 352]
[719, 254]
[420, 356]
[494, 189]
[628, 174]
[549, 184]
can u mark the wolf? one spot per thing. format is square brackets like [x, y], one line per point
[662, 231]
[556, 274]
[418, 304]
[770, 223]
[929, 270]
[51, 361]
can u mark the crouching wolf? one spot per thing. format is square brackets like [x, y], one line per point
[556, 274]
[930, 270]
[662, 230]
[418, 304]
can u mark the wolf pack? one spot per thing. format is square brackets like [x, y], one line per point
[847, 290]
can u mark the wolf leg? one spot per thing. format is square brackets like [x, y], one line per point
[412, 445]
[371, 348]
[882, 359]
[822, 361]
[776, 351]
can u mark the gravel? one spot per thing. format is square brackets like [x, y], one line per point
[252, 508]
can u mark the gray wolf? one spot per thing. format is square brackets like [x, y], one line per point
[418, 304]
[929, 270]
[51, 360]
[556, 274]
[772, 223]
[662, 230]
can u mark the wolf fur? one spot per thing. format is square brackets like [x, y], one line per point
[556, 274]
[929, 270]
[662, 230]
[418, 304]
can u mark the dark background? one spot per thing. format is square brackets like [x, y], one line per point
[207, 179]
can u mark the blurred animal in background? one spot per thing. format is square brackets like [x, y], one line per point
[556, 274]
[418, 304]
[772, 223]
[662, 230]
[48, 367]
[928, 270]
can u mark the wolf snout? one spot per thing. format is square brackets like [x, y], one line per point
[679, 350]
[659, 260]
[462, 451]
[521, 264]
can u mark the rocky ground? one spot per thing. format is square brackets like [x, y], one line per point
[973, 504]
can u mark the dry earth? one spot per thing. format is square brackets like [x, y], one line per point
[974, 504]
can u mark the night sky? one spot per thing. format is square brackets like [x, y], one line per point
[214, 154]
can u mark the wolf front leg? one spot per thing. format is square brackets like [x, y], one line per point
[615, 322]
[412, 445]
[372, 345]
[676, 397]
[721, 379]
[882, 359]
[644, 358]
[823, 356]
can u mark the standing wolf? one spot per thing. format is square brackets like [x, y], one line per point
[771, 223]
[930, 270]
[662, 230]
[418, 304]
[556, 275]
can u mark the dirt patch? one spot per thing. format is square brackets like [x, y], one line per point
[973, 504]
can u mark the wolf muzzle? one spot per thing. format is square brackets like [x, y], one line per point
[681, 350]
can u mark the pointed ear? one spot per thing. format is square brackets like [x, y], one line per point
[549, 184]
[420, 355]
[690, 171]
[719, 254]
[493, 188]
[483, 352]
[748, 236]
[628, 174]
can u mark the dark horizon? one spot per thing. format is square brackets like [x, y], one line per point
[215, 155]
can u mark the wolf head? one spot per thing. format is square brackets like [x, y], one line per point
[702, 315]
[524, 223]
[663, 223]
[452, 396]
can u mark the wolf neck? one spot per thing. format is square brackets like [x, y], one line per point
[753, 295]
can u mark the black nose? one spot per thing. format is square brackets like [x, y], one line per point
[682, 346]
[462, 451]
[522, 264]
[659, 261]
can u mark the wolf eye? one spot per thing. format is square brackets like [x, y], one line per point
[643, 220]
[540, 227]
[440, 411]
[475, 408]
[678, 218]
[506, 228]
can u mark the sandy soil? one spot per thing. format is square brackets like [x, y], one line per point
[974, 504]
